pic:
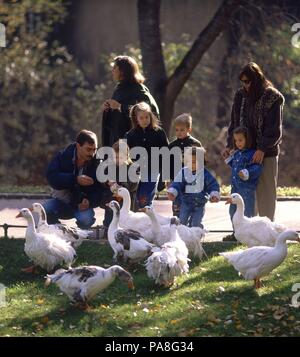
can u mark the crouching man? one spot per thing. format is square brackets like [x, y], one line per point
[72, 176]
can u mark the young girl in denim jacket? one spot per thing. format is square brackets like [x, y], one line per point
[244, 174]
[196, 186]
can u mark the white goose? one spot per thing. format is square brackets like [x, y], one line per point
[83, 283]
[45, 250]
[69, 234]
[126, 243]
[139, 220]
[170, 260]
[253, 231]
[160, 234]
[255, 262]
[162, 266]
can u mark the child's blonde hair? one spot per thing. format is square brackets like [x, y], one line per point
[184, 119]
[121, 146]
[143, 107]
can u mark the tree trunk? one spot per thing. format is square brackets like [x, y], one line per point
[228, 70]
[166, 90]
[150, 39]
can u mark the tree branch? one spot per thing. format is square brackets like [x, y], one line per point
[204, 40]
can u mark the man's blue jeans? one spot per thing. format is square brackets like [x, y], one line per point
[191, 215]
[248, 196]
[57, 209]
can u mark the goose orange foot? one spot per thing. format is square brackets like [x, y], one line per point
[32, 269]
[82, 306]
[257, 283]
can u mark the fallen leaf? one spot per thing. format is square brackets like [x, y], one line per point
[173, 322]
[45, 320]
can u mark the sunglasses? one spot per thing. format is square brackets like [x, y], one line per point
[245, 81]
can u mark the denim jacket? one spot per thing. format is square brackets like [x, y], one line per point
[241, 160]
[194, 187]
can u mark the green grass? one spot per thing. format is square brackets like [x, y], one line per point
[211, 301]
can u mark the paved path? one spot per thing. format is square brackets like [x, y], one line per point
[216, 216]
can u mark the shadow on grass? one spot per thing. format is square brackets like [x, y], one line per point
[196, 307]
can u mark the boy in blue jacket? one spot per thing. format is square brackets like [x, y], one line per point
[245, 174]
[195, 185]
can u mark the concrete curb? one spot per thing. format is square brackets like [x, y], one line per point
[44, 195]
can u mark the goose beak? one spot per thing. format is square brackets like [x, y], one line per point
[19, 215]
[130, 284]
[30, 209]
[107, 205]
[142, 210]
[228, 201]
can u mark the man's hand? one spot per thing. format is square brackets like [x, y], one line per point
[171, 197]
[84, 180]
[258, 157]
[85, 204]
[214, 199]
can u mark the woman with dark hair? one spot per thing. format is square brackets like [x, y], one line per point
[128, 91]
[258, 106]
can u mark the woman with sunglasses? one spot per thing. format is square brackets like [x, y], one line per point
[258, 106]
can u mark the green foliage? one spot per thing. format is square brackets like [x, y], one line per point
[45, 98]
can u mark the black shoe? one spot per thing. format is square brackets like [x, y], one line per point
[229, 238]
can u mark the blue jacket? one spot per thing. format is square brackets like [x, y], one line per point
[241, 159]
[187, 180]
[62, 174]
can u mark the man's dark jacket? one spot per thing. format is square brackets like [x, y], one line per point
[62, 175]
